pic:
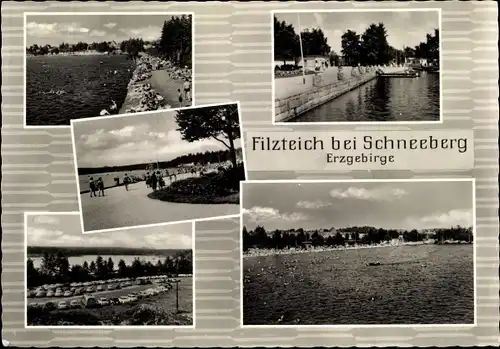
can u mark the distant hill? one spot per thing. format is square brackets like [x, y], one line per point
[34, 251]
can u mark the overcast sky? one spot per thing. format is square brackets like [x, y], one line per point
[398, 205]
[405, 28]
[55, 29]
[65, 231]
[134, 139]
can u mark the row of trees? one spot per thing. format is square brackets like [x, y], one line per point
[287, 41]
[176, 40]
[369, 48]
[126, 46]
[55, 268]
[282, 239]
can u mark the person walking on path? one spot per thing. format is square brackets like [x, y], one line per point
[92, 186]
[100, 186]
[126, 181]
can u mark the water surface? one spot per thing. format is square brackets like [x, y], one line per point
[429, 284]
[383, 99]
[60, 88]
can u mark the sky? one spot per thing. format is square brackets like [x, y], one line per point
[405, 28]
[55, 29]
[397, 205]
[134, 139]
[65, 231]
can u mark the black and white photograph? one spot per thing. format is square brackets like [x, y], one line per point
[357, 66]
[364, 253]
[136, 277]
[159, 167]
[81, 65]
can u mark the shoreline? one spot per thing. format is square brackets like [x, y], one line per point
[141, 96]
[69, 54]
[255, 252]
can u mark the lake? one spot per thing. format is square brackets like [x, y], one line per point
[60, 88]
[383, 99]
[426, 284]
[37, 261]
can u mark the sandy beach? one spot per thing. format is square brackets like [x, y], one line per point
[254, 252]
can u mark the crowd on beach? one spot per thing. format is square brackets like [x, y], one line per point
[148, 99]
[258, 252]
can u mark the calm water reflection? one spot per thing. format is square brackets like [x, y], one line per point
[384, 99]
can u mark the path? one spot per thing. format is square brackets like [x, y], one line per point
[121, 208]
[167, 87]
[290, 86]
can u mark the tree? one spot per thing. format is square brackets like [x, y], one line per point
[286, 41]
[32, 274]
[92, 268]
[220, 123]
[176, 40]
[314, 43]
[374, 45]
[351, 47]
[110, 266]
[122, 267]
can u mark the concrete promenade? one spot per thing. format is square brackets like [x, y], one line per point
[121, 208]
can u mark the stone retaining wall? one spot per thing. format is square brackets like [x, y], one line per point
[291, 107]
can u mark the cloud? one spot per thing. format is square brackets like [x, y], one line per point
[450, 218]
[96, 32]
[258, 214]
[110, 25]
[319, 20]
[38, 236]
[41, 236]
[311, 205]
[136, 144]
[379, 194]
[146, 33]
[39, 219]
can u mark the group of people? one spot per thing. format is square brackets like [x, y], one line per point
[154, 180]
[96, 187]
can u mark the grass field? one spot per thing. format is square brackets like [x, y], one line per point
[155, 310]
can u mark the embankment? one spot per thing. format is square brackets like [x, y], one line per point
[144, 94]
[287, 108]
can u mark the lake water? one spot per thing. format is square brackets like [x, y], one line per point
[426, 284]
[383, 99]
[37, 261]
[85, 85]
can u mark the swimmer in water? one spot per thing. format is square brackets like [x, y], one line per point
[113, 105]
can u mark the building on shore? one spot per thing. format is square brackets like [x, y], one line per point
[311, 63]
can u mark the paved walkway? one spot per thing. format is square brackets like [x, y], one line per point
[121, 208]
[167, 88]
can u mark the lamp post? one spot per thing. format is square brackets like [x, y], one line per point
[301, 51]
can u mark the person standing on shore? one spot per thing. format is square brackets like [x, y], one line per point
[179, 93]
[100, 186]
[187, 90]
[154, 181]
[92, 187]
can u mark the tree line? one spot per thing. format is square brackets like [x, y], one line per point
[287, 41]
[127, 46]
[55, 268]
[369, 48]
[299, 238]
[196, 158]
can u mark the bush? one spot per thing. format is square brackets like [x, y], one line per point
[212, 188]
